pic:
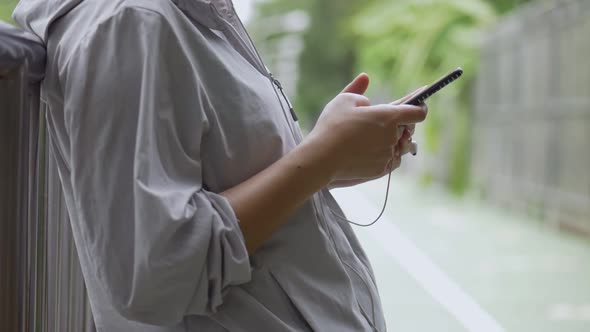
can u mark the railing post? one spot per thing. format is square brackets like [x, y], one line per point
[41, 284]
[18, 201]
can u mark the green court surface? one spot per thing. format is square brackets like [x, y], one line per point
[444, 264]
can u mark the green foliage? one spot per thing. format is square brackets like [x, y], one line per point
[6, 8]
[413, 41]
[504, 6]
[277, 7]
[404, 44]
[328, 62]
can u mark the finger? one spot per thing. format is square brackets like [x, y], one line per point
[357, 100]
[411, 128]
[359, 85]
[400, 133]
[382, 154]
[406, 136]
[378, 168]
[397, 150]
[403, 100]
[406, 131]
[405, 147]
[399, 114]
[394, 163]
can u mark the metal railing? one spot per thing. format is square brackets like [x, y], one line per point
[531, 130]
[42, 288]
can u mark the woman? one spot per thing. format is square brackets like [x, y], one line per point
[195, 203]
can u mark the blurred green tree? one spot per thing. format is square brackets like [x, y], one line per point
[406, 43]
[6, 8]
[402, 44]
[328, 62]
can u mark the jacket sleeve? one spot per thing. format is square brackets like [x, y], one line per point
[162, 246]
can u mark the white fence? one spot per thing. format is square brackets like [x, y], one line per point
[531, 148]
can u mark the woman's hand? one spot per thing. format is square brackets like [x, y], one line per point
[405, 143]
[351, 140]
[359, 141]
[403, 147]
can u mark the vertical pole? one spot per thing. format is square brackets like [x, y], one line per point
[12, 105]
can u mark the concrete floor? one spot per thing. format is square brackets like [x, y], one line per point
[444, 264]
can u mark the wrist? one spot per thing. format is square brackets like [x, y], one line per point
[314, 159]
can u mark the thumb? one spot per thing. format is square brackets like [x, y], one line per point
[359, 85]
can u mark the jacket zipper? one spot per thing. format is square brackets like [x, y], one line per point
[278, 84]
[321, 220]
[275, 81]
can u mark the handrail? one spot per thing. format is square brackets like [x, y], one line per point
[41, 284]
[12, 206]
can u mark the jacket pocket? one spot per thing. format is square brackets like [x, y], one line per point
[325, 304]
[296, 311]
[261, 305]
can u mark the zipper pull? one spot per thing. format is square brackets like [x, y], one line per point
[278, 84]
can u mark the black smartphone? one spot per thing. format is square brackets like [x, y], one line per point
[436, 86]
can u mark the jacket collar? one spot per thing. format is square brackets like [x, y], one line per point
[36, 17]
[220, 15]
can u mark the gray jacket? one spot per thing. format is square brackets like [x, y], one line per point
[153, 108]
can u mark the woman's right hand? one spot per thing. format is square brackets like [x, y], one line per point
[357, 139]
[351, 140]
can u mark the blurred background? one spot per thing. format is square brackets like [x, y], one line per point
[488, 227]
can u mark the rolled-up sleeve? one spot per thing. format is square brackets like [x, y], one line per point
[161, 246]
